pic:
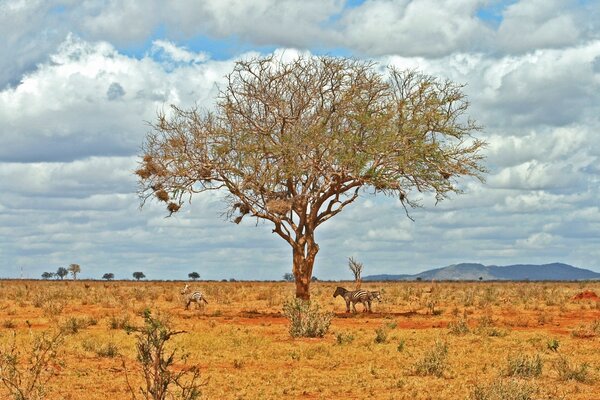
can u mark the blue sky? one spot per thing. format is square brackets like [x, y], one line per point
[79, 80]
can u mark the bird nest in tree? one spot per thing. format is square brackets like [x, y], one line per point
[279, 206]
[162, 195]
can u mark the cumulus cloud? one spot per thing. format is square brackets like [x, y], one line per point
[66, 109]
[73, 106]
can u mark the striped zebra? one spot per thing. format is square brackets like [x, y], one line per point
[355, 296]
[376, 295]
[195, 296]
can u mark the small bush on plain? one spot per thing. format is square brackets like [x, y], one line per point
[306, 319]
[501, 390]
[524, 366]
[434, 362]
[566, 371]
[458, 327]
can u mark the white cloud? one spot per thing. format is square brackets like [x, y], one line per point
[72, 121]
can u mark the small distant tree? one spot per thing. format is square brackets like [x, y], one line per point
[139, 275]
[47, 275]
[356, 269]
[194, 276]
[61, 272]
[314, 279]
[74, 269]
[109, 276]
[288, 277]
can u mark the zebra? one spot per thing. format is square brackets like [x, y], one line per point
[355, 296]
[195, 296]
[376, 295]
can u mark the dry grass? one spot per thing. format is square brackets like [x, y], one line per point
[241, 340]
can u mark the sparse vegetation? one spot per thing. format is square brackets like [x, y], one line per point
[162, 380]
[306, 319]
[434, 362]
[245, 351]
[503, 390]
[524, 366]
[25, 373]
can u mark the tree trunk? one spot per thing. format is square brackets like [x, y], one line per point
[303, 267]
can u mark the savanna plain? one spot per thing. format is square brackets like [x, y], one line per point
[440, 340]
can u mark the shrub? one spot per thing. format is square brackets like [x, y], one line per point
[108, 350]
[434, 362]
[401, 344]
[73, 325]
[157, 363]
[458, 327]
[305, 318]
[524, 366]
[26, 375]
[344, 338]
[567, 372]
[499, 390]
[119, 322]
[380, 335]
[552, 344]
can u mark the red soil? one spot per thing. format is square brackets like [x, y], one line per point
[586, 295]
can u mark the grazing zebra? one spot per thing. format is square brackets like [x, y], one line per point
[354, 296]
[376, 295]
[195, 296]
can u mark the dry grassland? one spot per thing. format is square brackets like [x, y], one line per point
[451, 341]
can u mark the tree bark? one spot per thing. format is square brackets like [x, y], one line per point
[303, 267]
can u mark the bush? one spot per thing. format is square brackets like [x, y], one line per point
[157, 363]
[568, 372]
[25, 375]
[344, 338]
[305, 318]
[552, 344]
[380, 335]
[434, 362]
[458, 327]
[524, 366]
[499, 390]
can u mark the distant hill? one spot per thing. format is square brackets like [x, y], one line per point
[518, 272]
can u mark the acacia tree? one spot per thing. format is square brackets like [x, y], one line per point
[61, 272]
[138, 275]
[294, 143]
[74, 269]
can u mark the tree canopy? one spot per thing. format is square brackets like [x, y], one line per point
[61, 272]
[294, 143]
[139, 275]
[74, 269]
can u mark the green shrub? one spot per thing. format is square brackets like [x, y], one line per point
[380, 335]
[401, 344]
[157, 363]
[305, 318]
[552, 344]
[524, 366]
[109, 350]
[25, 374]
[458, 327]
[434, 362]
[567, 372]
[499, 390]
[344, 338]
